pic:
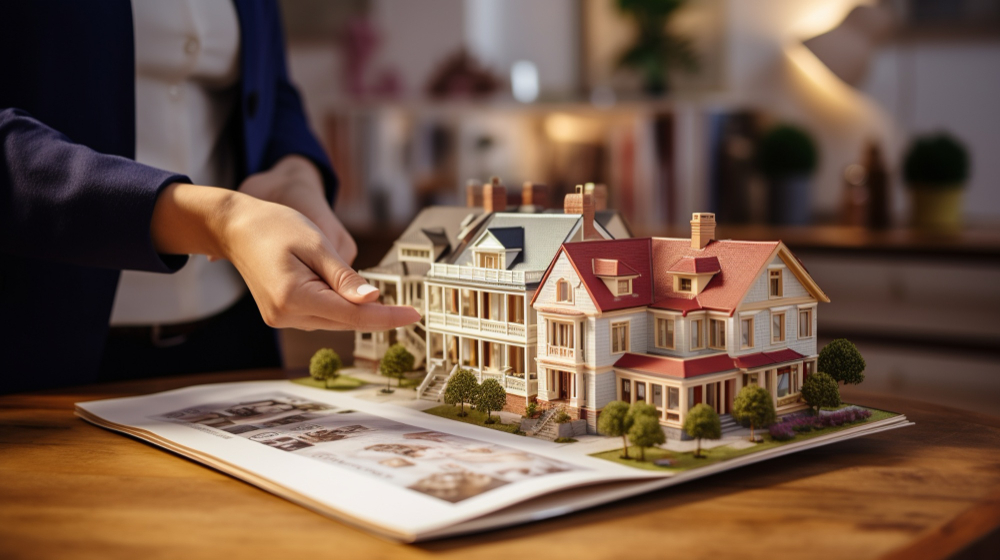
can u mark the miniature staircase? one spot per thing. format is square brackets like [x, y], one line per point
[432, 388]
[728, 423]
[546, 428]
[414, 344]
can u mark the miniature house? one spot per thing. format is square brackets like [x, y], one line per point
[675, 323]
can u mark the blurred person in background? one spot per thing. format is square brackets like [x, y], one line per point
[113, 115]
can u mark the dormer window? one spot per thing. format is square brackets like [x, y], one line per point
[489, 260]
[684, 285]
[564, 292]
[624, 287]
[412, 254]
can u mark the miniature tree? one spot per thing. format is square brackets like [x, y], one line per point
[841, 360]
[397, 362]
[640, 408]
[325, 366]
[753, 404]
[821, 390]
[615, 421]
[702, 422]
[461, 389]
[490, 396]
[646, 432]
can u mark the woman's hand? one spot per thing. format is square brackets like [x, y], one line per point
[295, 182]
[292, 269]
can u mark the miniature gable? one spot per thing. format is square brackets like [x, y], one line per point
[498, 248]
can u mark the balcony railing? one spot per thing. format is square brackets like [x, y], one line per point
[477, 325]
[561, 352]
[488, 275]
[511, 383]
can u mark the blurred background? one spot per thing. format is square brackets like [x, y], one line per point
[865, 135]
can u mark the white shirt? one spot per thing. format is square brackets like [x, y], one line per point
[186, 71]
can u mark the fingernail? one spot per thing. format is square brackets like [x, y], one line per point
[365, 289]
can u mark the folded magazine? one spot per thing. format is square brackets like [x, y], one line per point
[395, 471]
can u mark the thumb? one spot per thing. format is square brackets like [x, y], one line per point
[344, 280]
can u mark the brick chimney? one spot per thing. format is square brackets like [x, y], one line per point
[582, 202]
[473, 194]
[702, 229]
[494, 196]
[533, 194]
[600, 194]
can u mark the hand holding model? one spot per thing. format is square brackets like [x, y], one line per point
[290, 264]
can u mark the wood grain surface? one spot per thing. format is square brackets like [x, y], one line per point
[71, 490]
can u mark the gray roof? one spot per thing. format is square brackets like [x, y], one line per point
[436, 227]
[543, 235]
[509, 237]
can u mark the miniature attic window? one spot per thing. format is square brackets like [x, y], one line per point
[564, 292]
[685, 284]
[624, 287]
[775, 284]
[616, 275]
[489, 259]
[406, 254]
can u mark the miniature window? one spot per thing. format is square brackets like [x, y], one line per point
[416, 253]
[697, 338]
[717, 333]
[624, 287]
[774, 283]
[807, 369]
[561, 334]
[489, 260]
[777, 327]
[665, 333]
[640, 391]
[746, 332]
[684, 285]
[805, 323]
[627, 390]
[784, 382]
[451, 296]
[564, 292]
[619, 337]
[673, 398]
[515, 309]
[657, 395]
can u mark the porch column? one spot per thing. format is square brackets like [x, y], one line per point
[722, 395]
[682, 403]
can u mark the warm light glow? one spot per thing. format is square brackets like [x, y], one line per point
[563, 127]
[820, 78]
[827, 15]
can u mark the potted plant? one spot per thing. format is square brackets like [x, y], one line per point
[787, 157]
[935, 169]
[656, 50]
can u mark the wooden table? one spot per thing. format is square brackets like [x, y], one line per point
[72, 490]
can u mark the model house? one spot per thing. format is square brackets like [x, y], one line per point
[439, 234]
[675, 323]
[478, 312]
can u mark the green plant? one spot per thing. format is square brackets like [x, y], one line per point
[937, 160]
[562, 417]
[785, 151]
[646, 432]
[461, 389]
[325, 366]
[531, 409]
[490, 396]
[565, 440]
[841, 360]
[702, 422]
[820, 390]
[397, 362]
[614, 421]
[656, 50]
[753, 404]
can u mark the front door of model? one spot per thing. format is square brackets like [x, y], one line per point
[564, 385]
[712, 394]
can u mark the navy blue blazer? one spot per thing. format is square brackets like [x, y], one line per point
[75, 207]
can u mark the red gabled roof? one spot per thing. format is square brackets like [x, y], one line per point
[759, 359]
[703, 365]
[696, 265]
[739, 263]
[676, 367]
[612, 267]
[683, 305]
[630, 255]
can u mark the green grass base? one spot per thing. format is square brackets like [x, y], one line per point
[342, 383]
[686, 460]
[473, 417]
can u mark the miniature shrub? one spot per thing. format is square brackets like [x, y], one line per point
[781, 432]
[562, 417]
[491, 396]
[936, 161]
[325, 366]
[753, 405]
[461, 388]
[821, 391]
[530, 410]
[397, 362]
[803, 424]
[841, 360]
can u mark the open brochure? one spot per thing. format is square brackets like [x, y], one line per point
[395, 471]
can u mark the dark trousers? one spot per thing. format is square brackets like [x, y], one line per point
[237, 338]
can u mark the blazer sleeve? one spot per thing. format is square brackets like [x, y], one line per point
[290, 132]
[64, 202]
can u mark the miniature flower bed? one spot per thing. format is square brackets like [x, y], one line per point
[790, 427]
